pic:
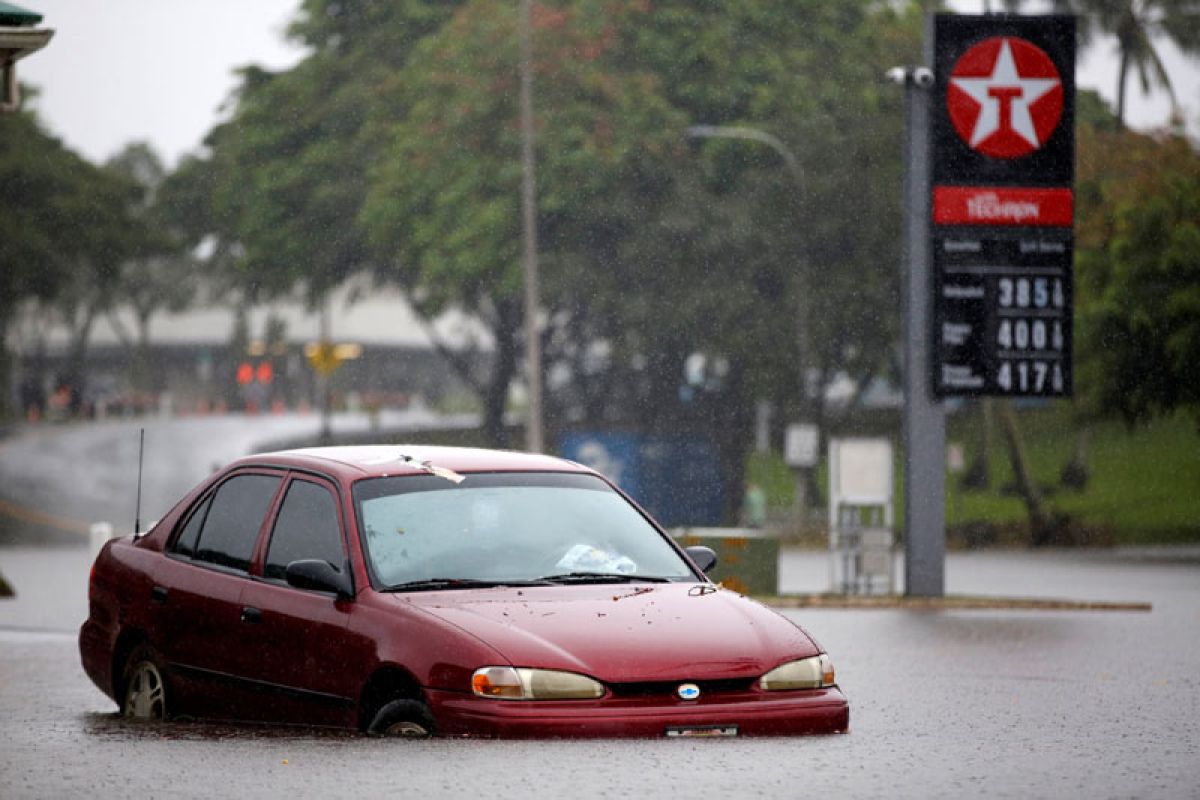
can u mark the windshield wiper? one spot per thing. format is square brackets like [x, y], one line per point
[434, 584]
[602, 577]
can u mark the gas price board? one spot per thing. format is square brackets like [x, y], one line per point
[1002, 205]
[1003, 321]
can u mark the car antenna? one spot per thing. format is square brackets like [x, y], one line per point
[137, 512]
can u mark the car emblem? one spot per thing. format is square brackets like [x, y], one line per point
[688, 691]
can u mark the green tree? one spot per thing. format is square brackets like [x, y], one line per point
[285, 175]
[1138, 282]
[444, 203]
[1136, 24]
[682, 280]
[659, 254]
[160, 272]
[63, 236]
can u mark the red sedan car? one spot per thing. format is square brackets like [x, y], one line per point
[419, 591]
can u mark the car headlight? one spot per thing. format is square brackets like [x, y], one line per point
[522, 683]
[807, 673]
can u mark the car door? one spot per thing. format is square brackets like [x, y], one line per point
[295, 642]
[196, 595]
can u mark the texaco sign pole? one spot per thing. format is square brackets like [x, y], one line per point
[924, 419]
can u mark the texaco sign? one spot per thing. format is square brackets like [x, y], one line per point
[1002, 204]
[1005, 97]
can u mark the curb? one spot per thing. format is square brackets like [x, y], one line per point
[951, 603]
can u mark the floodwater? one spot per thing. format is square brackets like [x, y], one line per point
[944, 704]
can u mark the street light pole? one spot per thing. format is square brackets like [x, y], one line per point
[533, 345]
[752, 134]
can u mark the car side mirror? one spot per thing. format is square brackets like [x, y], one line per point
[703, 557]
[313, 573]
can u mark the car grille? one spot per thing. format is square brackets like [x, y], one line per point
[668, 688]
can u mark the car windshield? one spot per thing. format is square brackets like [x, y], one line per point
[425, 532]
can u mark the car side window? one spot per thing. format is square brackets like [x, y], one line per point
[234, 517]
[185, 544]
[306, 527]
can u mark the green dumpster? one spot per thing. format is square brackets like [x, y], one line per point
[747, 558]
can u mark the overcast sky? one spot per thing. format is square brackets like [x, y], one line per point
[159, 70]
[156, 70]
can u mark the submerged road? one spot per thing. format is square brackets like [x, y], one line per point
[944, 704]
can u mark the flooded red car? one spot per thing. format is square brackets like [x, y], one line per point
[420, 591]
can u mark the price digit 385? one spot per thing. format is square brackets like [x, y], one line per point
[1030, 292]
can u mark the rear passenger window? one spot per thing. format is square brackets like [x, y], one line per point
[186, 543]
[306, 527]
[234, 517]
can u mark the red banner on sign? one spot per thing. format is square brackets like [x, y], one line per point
[1009, 205]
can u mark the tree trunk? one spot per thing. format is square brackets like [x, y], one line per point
[75, 372]
[733, 430]
[6, 380]
[1075, 472]
[7, 387]
[504, 367]
[979, 474]
[1122, 73]
[1041, 525]
[142, 368]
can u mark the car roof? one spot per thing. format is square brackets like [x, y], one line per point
[362, 461]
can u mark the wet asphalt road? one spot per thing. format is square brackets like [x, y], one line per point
[81, 474]
[944, 704]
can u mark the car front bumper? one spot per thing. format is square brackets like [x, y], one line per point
[746, 714]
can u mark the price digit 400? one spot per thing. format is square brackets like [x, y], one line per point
[1025, 334]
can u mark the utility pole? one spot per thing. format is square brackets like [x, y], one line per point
[533, 345]
[325, 378]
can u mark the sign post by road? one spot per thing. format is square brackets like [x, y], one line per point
[988, 240]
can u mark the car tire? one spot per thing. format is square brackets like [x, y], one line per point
[408, 719]
[143, 687]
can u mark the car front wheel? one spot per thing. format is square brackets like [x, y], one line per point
[408, 719]
[145, 695]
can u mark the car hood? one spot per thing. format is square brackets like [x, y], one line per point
[625, 632]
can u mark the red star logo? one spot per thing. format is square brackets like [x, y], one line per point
[1005, 97]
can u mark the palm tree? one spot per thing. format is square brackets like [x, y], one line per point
[1136, 24]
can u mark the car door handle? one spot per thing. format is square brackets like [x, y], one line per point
[159, 594]
[250, 614]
